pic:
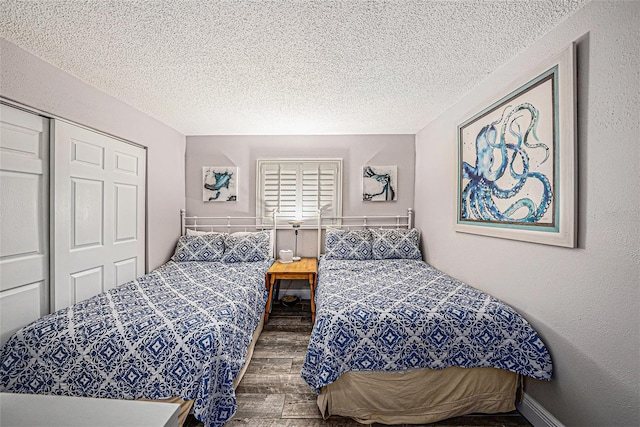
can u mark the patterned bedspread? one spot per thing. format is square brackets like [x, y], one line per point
[181, 330]
[390, 315]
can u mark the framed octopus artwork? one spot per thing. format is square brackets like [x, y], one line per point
[516, 160]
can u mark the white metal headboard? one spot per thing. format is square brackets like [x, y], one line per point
[362, 222]
[227, 224]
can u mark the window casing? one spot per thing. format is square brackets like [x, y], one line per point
[298, 188]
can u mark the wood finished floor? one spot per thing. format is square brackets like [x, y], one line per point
[272, 393]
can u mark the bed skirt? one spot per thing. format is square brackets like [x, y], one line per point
[420, 396]
[186, 405]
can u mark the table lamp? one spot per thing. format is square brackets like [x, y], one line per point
[296, 223]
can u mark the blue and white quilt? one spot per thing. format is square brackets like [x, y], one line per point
[398, 314]
[182, 330]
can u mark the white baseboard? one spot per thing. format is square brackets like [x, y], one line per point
[536, 414]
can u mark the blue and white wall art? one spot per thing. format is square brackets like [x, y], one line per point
[512, 174]
[379, 183]
[219, 183]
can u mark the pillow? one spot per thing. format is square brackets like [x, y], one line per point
[191, 232]
[249, 247]
[205, 247]
[272, 234]
[350, 245]
[396, 243]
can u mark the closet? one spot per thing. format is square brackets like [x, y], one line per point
[72, 215]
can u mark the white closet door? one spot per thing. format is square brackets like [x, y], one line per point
[24, 216]
[99, 214]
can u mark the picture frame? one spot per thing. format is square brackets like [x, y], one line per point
[517, 159]
[219, 184]
[379, 183]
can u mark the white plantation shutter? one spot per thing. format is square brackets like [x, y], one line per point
[298, 188]
[319, 184]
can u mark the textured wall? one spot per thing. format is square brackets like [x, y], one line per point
[30, 81]
[355, 150]
[584, 301]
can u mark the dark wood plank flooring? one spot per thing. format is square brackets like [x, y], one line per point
[272, 393]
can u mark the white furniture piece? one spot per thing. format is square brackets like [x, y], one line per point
[24, 219]
[98, 233]
[72, 215]
[52, 411]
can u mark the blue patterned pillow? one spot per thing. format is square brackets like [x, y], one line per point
[396, 243]
[206, 247]
[350, 245]
[249, 247]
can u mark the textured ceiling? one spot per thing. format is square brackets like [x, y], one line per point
[282, 67]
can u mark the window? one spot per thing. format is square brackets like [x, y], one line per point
[298, 188]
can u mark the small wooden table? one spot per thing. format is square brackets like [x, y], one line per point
[306, 268]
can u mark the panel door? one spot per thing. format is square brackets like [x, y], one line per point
[24, 219]
[99, 215]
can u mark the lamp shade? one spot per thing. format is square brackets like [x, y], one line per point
[296, 223]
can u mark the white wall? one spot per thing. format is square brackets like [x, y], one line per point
[583, 301]
[355, 150]
[30, 81]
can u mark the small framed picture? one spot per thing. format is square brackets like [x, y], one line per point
[219, 183]
[379, 183]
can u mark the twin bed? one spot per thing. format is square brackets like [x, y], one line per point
[395, 340]
[182, 333]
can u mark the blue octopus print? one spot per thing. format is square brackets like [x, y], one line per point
[485, 181]
[220, 183]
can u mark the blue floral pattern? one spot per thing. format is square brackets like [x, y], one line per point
[250, 247]
[396, 244]
[202, 247]
[391, 315]
[348, 244]
[182, 330]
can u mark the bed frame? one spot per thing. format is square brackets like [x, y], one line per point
[227, 224]
[413, 396]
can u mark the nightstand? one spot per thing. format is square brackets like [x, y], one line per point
[306, 268]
